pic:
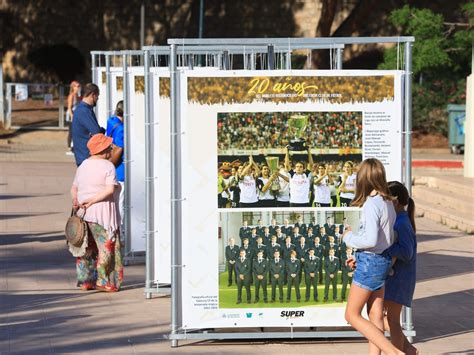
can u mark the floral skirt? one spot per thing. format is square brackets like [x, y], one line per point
[102, 262]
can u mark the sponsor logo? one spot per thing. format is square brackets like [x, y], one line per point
[292, 314]
[231, 315]
[249, 315]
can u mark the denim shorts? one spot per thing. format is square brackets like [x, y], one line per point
[371, 270]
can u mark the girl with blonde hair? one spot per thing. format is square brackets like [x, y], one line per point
[73, 98]
[375, 236]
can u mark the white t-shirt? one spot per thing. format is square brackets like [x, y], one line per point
[322, 191]
[284, 193]
[299, 187]
[248, 190]
[267, 195]
[350, 184]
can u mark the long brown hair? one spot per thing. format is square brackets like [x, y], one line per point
[371, 176]
[400, 192]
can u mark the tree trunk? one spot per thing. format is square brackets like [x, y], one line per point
[328, 11]
[358, 18]
[355, 21]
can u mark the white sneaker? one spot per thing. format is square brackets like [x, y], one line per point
[69, 153]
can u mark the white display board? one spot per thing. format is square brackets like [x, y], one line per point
[162, 172]
[371, 99]
[116, 92]
[101, 108]
[137, 158]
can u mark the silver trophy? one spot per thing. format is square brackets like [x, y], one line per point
[274, 166]
[296, 126]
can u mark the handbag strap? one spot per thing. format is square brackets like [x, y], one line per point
[75, 210]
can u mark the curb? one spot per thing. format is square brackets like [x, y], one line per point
[441, 164]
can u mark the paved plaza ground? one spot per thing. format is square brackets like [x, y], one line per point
[42, 311]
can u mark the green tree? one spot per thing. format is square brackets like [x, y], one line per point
[441, 62]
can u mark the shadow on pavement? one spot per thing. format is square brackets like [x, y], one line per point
[17, 238]
[13, 215]
[12, 197]
[434, 265]
[454, 313]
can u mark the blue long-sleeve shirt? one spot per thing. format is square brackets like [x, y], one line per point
[115, 130]
[400, 286]
[84, 125]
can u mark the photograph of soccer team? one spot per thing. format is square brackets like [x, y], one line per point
[288, 159]
[292, 258]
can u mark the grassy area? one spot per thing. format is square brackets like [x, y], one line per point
[228, 296]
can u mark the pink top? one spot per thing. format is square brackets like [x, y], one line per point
[91, 178]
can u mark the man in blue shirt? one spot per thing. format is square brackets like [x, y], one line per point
[84, 123]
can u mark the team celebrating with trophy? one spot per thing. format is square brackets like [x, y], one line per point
[297, 184]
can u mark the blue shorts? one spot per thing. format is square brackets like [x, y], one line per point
[371, 270]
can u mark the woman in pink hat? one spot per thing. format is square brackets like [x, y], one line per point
[95, 190]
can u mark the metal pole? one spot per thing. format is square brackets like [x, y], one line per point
[288, 60]
[2, 105]
[408, 324]
[226, 60]
[271, 57]
[175, 195]
[253, 61]
[8, 118]
[142, 24]
[127, 153]
[108, 85]
[93, 69]
[149, 180]
[408, 116]
[94, 75]
[201, 27]
[201, 18]
[61, 106]
[338, 58]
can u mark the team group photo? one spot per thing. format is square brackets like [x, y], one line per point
[288, 159]
[281, 259]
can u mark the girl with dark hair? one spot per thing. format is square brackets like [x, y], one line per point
[373, 263]
[400, 286]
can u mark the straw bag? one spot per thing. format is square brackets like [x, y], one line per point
[76, 233]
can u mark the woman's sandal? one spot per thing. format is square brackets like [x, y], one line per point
[87, 286]
[107, 288]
